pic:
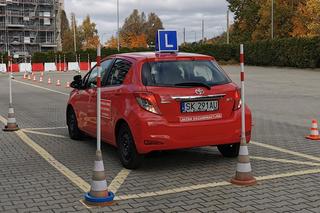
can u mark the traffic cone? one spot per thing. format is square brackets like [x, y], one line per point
[314, 132]
[58, 83]
[40, 79]
[25, 76]
[29, 77]
[41, 74]
[49, 80]
[243, 173]
[99, 194]
[68, 84]
[11, 122]
[34, 78]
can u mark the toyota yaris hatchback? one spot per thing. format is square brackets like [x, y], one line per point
[159, 101]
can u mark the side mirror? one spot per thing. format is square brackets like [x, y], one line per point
[77, 82]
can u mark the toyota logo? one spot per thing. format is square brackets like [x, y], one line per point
[199, 91]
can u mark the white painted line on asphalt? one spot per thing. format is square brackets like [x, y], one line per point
[119, 180]
[78, 181]
[310, 157]
[47, 128]
[43, 133]
[212, 185]
[40, 87]
[285, 161]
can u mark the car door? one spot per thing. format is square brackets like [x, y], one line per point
[81, 100]
[92, 104]
[112, 97]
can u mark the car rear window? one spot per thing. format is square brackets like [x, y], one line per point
[171, 73]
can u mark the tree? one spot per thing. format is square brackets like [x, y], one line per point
[307, 19]
[89, 33]
[65, 28]
[152, 25]
[112, 43]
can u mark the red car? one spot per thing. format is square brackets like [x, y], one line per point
[159, 101]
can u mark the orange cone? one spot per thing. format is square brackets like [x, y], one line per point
[11, 122]
[58, 83]
[99, 194]
[243, 173]
[68, 84]
[314, 132]
[49, 80]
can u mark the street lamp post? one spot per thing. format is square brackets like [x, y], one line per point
[272, 10]
[118, 25]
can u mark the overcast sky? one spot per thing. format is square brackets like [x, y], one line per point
[175, 14]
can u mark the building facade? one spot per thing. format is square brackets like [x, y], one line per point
[28, 26]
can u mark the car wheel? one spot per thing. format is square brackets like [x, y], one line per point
[74, 131]
[128, 154]
[229, 150]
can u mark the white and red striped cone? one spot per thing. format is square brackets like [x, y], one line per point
[243, 173]
[49, 80]
[99, 194]
[34, 78]
[29, 77]
[58, 83]
[314, 132]
[41, 74]
[11, 122]
[68, 84]
[41, 79]
[25, 76]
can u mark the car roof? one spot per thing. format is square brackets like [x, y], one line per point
[155, 55]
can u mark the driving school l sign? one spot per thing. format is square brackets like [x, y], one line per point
[167, 41]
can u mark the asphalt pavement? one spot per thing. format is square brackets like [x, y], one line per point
[42, 170]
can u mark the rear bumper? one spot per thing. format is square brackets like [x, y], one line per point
[157, 134]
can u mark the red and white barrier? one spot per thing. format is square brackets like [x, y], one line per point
[25, 67]
[47, 67]
[50, 67]
[73, 66]
[3, 68]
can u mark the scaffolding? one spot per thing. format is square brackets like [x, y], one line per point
[28, 26]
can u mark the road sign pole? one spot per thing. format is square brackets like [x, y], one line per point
[99, 98]
[10, 78]
[243, 117]
[99, 194]
[243, 172]
[11, 122]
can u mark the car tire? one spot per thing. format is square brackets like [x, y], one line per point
[74, 132]
[229, 150]
[128, 154]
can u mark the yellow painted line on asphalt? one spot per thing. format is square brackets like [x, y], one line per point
[310, 157]
[75, 179]
[212, 185]
[47, 128]
[43, 133]
[40, 87]
[285, 161]
[119, 180]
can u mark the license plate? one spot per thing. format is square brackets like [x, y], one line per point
[199, 106]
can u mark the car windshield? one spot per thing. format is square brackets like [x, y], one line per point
[183, 73]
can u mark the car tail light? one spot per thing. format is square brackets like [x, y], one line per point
[237, 99]
[148, 102]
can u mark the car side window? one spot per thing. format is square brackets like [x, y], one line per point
[92, 79]
[105, 68]
[118, 72]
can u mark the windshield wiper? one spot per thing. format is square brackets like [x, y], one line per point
[194, 84]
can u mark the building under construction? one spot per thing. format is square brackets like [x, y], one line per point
[28, 26]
